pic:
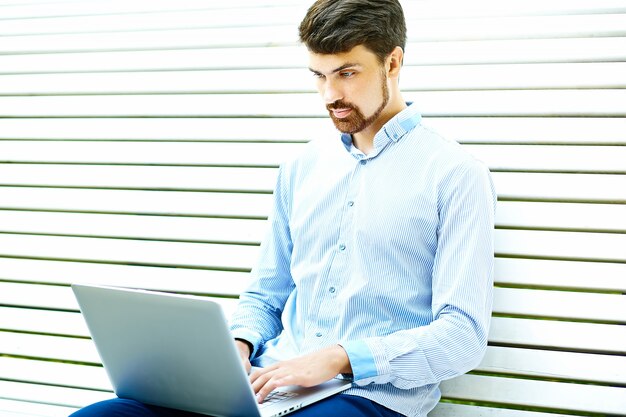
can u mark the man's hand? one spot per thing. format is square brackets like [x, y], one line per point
[306, 371]
[244, 354]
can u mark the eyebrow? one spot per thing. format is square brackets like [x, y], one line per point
[340, 68]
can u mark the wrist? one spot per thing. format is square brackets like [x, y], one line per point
[244, 347]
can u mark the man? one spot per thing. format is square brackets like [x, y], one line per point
[378, 263]
[379, 259]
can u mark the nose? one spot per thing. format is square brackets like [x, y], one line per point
[330, 92]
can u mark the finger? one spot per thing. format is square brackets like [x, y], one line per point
[270, 385]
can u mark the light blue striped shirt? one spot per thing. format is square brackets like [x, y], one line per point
[389, 254]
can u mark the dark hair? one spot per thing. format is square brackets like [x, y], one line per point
[336, 26]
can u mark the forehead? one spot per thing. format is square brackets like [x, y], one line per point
[357, 56]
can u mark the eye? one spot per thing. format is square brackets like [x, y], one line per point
[347, 74]
[318, 75]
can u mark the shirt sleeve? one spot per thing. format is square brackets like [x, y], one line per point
[462, 288]
[257, 318]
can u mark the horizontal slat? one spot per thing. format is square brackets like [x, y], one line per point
[522, 272]
[544, 334]
[513, 361]
[595, 276]
[530, 7]
[120, 251]
[78, 8]
[48, 347]
[153, 17]
[563, 245]
[601, 307]
[142, 202]
[54, 373]
[604, 369]
[561, 187]
[550, 158]
[42, 321]
[134, 227]
[184, 129]
[138, 177]
[577, 26]
[62, 298]
[561, 304]
[430, 53]
[432, 103]
[154, 278]
[158, 153]
[559, 335]
[465, 130]
[577, 216]
[445, 409]
[414, 78]
[61, 396]
[550, 395]
[10, 408]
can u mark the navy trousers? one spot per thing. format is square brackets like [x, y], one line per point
[337, 405]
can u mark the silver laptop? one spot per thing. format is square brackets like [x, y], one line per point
[176, 351]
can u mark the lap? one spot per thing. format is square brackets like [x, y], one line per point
[337, 405]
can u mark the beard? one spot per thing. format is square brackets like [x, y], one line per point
[356, 121]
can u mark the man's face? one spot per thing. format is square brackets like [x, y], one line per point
[353, 85]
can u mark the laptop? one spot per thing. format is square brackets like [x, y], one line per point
[176, 351]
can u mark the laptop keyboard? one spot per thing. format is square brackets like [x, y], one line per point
[277, 396]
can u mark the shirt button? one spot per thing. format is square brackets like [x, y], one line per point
[350, 203]
[331, 290]
[342, 247]
[363, 162]
[318, 334]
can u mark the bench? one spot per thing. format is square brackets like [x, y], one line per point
[139, 148]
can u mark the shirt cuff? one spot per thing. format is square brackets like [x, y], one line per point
[248, 335]
[361, 359]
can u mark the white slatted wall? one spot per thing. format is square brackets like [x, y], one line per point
[139, 141]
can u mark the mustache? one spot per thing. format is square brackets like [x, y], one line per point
[339, 104]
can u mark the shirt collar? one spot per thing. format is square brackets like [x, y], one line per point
[393, 130]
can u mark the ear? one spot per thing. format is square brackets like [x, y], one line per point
[394, 62]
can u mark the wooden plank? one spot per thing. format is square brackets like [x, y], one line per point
[10, 408]
[545, 27]
[432, 103]
[561, 245]
[561, 304]
[153, 17]
[603, 369]
[496, 130]
[134, 227]
[141, 177]
[590, 131]
[193, 281]
[175, 203]
[157, 153]
[430, 53]
[120, 251]
[43, 321]
[542, 158]
[445, 409]
[184, 129]
[414, 78]
[55, 373]
[558, 335]
[48, 347]
[574, 275]
[603, 188]
[561, 216]
[45, 394]
[552, 158]
[549, 395]
[62, 298]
